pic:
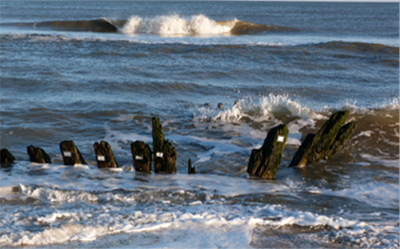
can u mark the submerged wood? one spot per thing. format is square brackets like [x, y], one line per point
[343, 138]
[104, 155]
[70, 153]
[191, 169]
[6, 156]
[163, 151]
[317, 147]
[141, 153]
[38, 155]
[265, 162]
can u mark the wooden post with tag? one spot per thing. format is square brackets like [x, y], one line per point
[265, 162]
[141, 153]
[70, 153]
[104, 155]
[163, 151]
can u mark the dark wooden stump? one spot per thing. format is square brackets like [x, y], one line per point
[304, 148]
[164, 152]
[141, 153]
[38, 155]
[319, 146]
[158, 144]
[6, 156]
[169, 158]
[265, 162]
[104, 155]
[191, 169]
[70, 153]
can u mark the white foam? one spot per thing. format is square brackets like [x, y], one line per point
[371, 193]
[176, 25]
[381, 160]
[237, 230]
[265, 108]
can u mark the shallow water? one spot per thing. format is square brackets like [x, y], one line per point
[167, 60]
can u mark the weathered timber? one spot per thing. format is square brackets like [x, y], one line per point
[70, 153]
[141, 153]
[304, 148]
[164, 152]
[38, 155]
[6, 156]
[265, 162]
[169, 158]
[158, 144]
[191, 169]
[343, 138]
[104, 155]
[317, 149]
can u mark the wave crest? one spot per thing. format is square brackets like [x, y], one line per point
[266, 108]
[176, 25]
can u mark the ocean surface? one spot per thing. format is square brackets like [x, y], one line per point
[89, 71]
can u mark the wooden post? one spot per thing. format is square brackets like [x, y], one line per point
[104, 155]
[164, 152]
[344, 136]
[141, 153]
[38, 155]
[6, 156]
[191, 169]
[71, 154]
[158, 144]
[321, 145]
[169, 162]
[265, 162]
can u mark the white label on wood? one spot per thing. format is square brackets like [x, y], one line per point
[159, 154]
[281, 138]
[138, 158]
[67, 153]
[101, 158]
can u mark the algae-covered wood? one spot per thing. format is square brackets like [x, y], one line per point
[265, 162]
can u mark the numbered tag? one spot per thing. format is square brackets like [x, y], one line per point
[101, 158]
[138, 158]
[159, 154]
[281, 138]
[67, 153]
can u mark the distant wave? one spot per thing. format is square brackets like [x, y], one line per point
[357, 47]
[171, 25]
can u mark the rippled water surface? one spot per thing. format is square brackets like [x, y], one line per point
[95, 70]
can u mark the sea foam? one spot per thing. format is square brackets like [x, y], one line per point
[176, 25]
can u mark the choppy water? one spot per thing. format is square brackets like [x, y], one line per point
[97, 70]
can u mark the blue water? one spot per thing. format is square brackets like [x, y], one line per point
[293, 63]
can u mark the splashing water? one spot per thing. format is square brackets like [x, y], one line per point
[176, 25]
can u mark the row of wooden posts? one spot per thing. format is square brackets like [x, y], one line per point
[333, 136]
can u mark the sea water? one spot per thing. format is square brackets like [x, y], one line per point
[100, 70]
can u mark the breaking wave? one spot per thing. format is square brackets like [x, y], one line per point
[176, 25]
[168, 25]
[195, 25]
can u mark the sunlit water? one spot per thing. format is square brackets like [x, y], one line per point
[303, 62]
